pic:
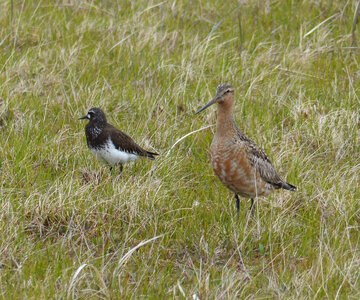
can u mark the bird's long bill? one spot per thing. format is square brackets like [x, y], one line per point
[207, 105]
[84, 117]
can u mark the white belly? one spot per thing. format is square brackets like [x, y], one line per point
[110, 155]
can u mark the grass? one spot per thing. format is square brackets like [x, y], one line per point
[167, 228]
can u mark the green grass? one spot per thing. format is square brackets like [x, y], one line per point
[66, 225]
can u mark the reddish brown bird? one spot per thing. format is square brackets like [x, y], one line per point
[240, 164]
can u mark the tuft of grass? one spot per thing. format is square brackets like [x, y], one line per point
[167, 228]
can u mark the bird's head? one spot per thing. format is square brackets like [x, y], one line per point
[95, 115]
[224, 96]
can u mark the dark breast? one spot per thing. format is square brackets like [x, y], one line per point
[94, 136]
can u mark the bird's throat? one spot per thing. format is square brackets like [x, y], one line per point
[225, 124]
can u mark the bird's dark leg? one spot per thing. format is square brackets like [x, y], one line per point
[111, 168]
[121, 168]
[252, 207]
[237, 205]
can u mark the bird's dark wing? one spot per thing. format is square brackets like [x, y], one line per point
[125, 143]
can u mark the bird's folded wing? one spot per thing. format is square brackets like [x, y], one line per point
[125, 143]
[262, 164]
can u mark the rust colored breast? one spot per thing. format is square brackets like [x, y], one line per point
[231, 165]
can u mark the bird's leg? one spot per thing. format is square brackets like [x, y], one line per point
[121, 168]
[237, 205]
[252, 207]
[111, 168]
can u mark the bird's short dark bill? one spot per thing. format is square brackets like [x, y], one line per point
[84, 117]
[207, 105]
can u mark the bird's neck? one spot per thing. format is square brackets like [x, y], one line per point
[225, 125]
[98, 123]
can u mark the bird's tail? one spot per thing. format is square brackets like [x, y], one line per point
[288, 186]
[151, 155]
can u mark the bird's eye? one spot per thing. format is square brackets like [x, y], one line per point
[228, 91]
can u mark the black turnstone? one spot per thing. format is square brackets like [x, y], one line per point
[109, 144]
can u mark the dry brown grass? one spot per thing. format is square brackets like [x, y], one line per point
[167, 228]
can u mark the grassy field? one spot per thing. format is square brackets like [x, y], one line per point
[167, 228]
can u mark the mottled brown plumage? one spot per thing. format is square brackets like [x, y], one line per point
[238, 162]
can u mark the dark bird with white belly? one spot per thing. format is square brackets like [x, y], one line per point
[109, 144]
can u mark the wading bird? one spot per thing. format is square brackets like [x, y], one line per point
[238, 162]
[109, 144]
